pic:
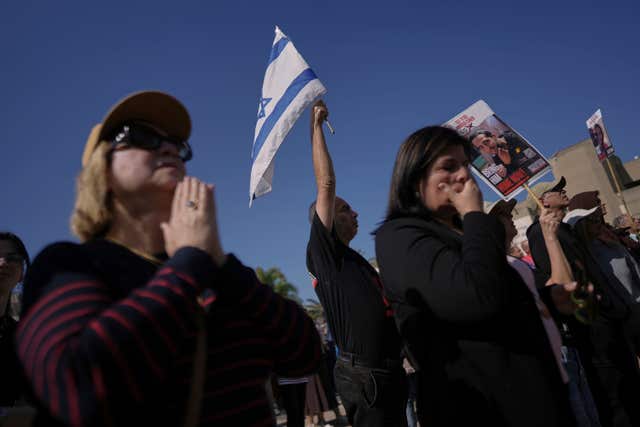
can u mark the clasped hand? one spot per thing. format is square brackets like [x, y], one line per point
[193, 220]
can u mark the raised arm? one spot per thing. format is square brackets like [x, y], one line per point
[560, 268]
[322, 166]
[562, 279]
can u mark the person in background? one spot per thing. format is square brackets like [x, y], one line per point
[626, 230]
[526, 257]
[412, 420]
[14, 261]
[292, 392]
[600, 345]
[570, 368]
[617, 263]
[148, 321]
[470, 325]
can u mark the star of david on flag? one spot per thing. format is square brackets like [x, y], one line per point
[288, 88]
[263, 103]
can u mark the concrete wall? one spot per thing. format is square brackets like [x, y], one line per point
[633, 167]
[632, 197]
[584, 172]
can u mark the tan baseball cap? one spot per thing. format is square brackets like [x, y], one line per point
[157, 108]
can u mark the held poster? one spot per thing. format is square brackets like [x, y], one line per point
[500, 156]
[599, 136]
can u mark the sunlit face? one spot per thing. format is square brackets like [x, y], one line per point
[555, 199]
[485, 144]
[450, 168]
[10, 266]
[135, 171]
[345, 220]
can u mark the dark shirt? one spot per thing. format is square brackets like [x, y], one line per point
[10, 384]
[108, 337]
[350, 292]
[471, 325]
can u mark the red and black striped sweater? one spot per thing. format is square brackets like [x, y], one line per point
[108, 338]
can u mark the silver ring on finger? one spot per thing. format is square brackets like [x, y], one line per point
[192, 204]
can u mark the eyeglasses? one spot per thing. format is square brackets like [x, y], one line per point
[144, 137]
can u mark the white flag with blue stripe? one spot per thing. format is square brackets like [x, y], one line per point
[289, 87]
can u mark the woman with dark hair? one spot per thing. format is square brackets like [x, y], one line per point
[148, 321]
[14, 261]
[470, 324]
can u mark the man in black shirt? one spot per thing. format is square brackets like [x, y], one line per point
[368, 373]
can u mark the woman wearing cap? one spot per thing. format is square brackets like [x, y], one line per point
[148, 321]
[470, 324]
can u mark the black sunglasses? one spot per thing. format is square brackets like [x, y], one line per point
[141, 136]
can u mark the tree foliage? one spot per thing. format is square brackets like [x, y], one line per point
[277, 280]
[314, 309]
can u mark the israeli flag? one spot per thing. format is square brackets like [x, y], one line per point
[289, 87]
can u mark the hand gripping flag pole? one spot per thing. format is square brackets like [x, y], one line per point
[289, 87]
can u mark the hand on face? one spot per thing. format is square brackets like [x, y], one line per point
[465, 197]
[193, 220]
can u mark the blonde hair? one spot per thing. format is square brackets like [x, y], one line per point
[92, 213]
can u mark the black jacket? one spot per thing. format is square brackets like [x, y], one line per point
[471, 325]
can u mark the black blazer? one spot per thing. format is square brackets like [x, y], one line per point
[470, 324]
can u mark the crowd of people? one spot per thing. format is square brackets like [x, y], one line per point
[148, 321]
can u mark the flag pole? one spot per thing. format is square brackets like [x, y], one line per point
[333, 132]
[533, 196]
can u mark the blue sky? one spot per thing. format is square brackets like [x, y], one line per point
[389, 67]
